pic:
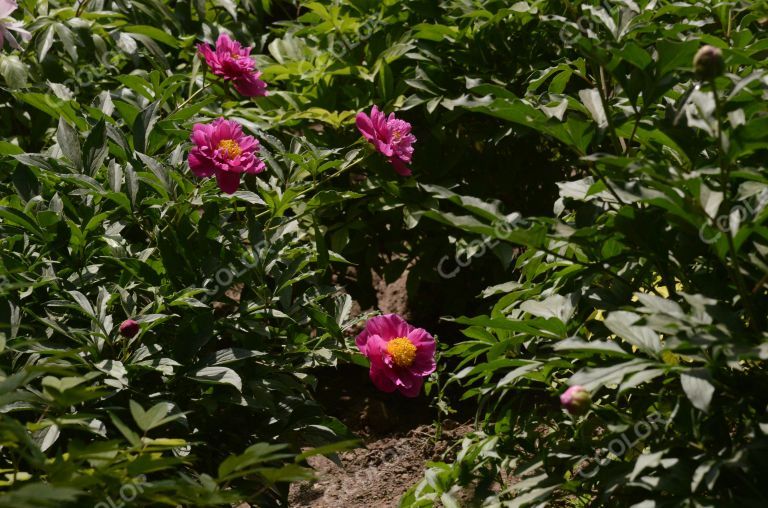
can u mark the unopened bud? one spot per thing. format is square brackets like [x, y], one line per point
[129, 328]
[708, 63]
[576, 400]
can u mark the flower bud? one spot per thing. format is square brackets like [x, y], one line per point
[129, 328]
[708, 63]
[576, 400]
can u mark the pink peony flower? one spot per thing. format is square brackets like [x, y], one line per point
[129, 328]
[8, 24]
[390, 136]
[401, 356]
[576, 400]
[222, 149]
[233, 62]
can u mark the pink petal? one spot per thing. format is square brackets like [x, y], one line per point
[376, 115]
[257, 167]
[200, 166]
[386, 328]
[228, 182]
[201, 134]
[384, 147]
[365, 126]
[17, 27]
[424, 364]
[380, 124]
[5, 34]
[249, 144]
[410, 384]
[250, 86]
[422, 339]
[204, 50]
[400, 167]
[7, 7]
[224, 43]
[381, 380]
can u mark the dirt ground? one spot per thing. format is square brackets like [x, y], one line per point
[375, 476]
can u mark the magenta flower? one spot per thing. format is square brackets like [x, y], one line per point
[129, 328]
[390, 136]
[576, 400]
[222, 149]
[233, 62]
[8, 24]
[401, 356]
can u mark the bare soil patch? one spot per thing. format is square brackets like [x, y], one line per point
[375, 476]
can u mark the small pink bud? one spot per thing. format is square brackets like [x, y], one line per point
[129, 328]
[576, 400]
[708, 63]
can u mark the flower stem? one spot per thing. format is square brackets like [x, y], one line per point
[725, 184]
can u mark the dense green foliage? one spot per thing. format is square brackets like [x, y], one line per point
[640, 275]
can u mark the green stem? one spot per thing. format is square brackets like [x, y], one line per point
[315, 185]
[601, 177]
[82, 7]
[725, 173]
[638, 117]
[601, 89]
[192, 97]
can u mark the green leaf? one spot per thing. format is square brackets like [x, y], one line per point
[95, 148]
[229, 6]
[142, 126]
[19, 218]
[595, 346]
[69, 142]
[231, 355]
[83, 302]
[154, 33]
[130, 435]
[320, 246]
[594, 378]
[253, 455]
[157, 415]
[624, 324]
[13, 71]
[219, 375]
[698, 388]
[519, 372]
[555, 306]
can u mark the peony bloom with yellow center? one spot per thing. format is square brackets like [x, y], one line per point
[401, 356]
[221, 149]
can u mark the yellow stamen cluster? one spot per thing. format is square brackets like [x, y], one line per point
[231, 147]
[402, 351]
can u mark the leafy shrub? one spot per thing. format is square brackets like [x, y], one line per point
[639, 275]
[646, 286]
[210, 403]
